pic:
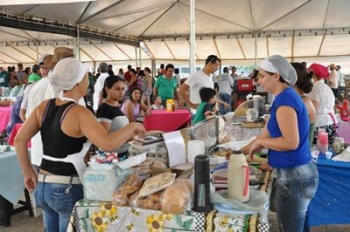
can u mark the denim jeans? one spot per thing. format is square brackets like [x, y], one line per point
[225, 98]
[57, 202]
[295, 188]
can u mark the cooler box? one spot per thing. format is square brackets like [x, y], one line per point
[244, 85]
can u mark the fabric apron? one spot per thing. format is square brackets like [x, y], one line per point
[77, 159]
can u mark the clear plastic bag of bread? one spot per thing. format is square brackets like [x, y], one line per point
[131, 185]
[152, 201]
[157, 183]
[178, 197]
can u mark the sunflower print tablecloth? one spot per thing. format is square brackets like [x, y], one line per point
[89, 216]
[98, 216]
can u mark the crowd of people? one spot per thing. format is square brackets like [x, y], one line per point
[59, 94]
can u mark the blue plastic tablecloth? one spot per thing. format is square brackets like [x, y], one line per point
[331, 204]
[11, 178]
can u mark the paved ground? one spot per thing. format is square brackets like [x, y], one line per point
[23, 223]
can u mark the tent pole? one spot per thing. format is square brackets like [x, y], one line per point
[140, 62]
[192, 36]
[77, 44]
[136, 60]
[37, 51]
[256, 51]
[154, 72]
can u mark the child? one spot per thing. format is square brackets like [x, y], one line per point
[157, 105]
[205, 108]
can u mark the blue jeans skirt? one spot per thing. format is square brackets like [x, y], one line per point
[295, 187]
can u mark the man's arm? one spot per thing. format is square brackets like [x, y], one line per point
[183, 93]
[154, 91]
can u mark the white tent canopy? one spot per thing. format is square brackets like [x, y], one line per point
[301, 30]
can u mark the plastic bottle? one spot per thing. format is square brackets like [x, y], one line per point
[322, 141]
[238, 177]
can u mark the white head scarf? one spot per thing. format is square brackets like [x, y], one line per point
[278, 64]
[67, 73]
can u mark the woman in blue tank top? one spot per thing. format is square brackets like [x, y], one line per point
[286, 137]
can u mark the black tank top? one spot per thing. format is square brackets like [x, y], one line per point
[55, 142]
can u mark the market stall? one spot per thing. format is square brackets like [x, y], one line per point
[128, 210]
[104, 216]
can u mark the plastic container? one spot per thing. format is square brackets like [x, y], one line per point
[238, 177]
[170, 105]
[338, 145]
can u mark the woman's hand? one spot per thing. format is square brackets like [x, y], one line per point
[255, 147]
[139, 130]
[30, 181]
[148, 112]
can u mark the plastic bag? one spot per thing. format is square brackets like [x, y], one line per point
[157, 183]
[177, 198]
[130, 186]
[99, 184]
[152, 201]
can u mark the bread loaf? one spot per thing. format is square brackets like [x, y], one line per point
[177, 198]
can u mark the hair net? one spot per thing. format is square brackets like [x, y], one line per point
[319, 70]
[278, 64]
[67, 73]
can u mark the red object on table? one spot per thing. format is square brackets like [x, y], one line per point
[167, 121]
[13, 134]
[5, 114]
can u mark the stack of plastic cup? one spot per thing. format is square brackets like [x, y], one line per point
[322, 141]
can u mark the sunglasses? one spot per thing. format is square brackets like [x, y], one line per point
[213, 59]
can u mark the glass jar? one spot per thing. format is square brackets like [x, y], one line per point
[338, 145]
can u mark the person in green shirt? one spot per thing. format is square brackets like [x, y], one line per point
[165, 86]
[36, 75]
[205, 108]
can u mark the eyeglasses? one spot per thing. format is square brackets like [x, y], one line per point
[213, 59]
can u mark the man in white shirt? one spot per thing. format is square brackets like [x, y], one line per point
[98, 94]
[39, 92]
[189, 90]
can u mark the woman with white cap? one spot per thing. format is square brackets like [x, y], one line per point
[65, 127]
[286, 137]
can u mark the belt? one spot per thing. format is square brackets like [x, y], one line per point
[58, 179]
